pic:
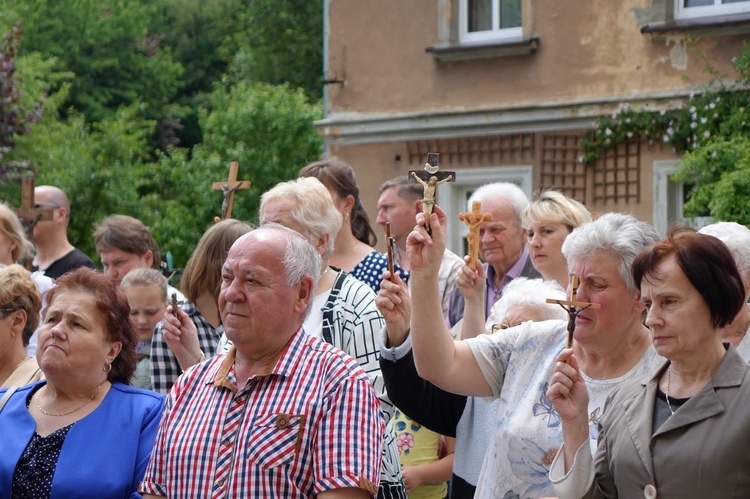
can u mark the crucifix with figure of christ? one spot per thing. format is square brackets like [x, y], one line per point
[474, 219]
[430, 178]
[573, 307]
[30, 212]
[227, 188]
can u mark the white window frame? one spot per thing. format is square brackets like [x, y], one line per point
[494, 34]
[717, 9]
[663, 170]
[451, 196]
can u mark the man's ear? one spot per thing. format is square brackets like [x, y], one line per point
[304, 294]
[148, 256]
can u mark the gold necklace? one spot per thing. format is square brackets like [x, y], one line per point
[324, 272]
[39, 397]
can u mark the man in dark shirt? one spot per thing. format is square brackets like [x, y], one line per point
[54, 253]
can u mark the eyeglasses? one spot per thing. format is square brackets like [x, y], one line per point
[6, 311]
[46, 205]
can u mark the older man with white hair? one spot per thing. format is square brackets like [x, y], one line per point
[737, 238]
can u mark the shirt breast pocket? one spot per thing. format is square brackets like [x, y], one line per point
[274, 440]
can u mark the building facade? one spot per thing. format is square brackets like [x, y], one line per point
[505, 90]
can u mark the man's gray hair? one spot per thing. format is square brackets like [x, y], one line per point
[300, 259]
[736, 237]
[522, 291]
[504, 190]
[622, 236]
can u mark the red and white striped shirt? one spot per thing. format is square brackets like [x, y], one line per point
[311, 424]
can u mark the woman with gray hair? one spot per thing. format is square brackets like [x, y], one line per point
[343, 312]
[515, 365]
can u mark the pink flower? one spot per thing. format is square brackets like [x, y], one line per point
[405, 441]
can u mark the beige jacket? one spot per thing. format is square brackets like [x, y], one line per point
[26, 373]
[700, 451]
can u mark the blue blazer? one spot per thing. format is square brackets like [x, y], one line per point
[104, 454]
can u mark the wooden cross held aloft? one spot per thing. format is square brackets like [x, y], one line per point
[29, 212]
[573, 307]
[227, 188]
[430, 178]
[389, 243]
[474, 220]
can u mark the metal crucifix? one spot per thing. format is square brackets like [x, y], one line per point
[430, 178]
[227, 188]
[573, 307]
[389, 243]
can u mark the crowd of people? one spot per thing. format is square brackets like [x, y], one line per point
[587, 356]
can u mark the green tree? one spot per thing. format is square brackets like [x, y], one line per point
[267, 128]
[279, 41]
[107, 44]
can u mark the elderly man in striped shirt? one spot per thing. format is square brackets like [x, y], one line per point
[282, 414]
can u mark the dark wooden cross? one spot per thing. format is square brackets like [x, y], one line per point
[389, 243]
[573, 307]
[29, 212]
[430, 178]
[227, 188]
[474, 220]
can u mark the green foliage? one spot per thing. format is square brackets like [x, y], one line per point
[267, 128]
[720, 174]
[111, 73]
[107, 45]
[279, 41]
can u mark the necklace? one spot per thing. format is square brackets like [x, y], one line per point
[669, 371]
[39, 397]
[324, 272]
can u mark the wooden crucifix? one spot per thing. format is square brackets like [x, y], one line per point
[389, 243]
[30, 212]
[573, 307]
[227, 188]
[474, 220]
[430, 178]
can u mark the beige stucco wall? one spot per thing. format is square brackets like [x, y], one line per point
[589, 49]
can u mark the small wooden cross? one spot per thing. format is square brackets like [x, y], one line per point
[29, 212]
[430, 178]
[573, 307]
[389, 243]
[474, 220]
[228, 188]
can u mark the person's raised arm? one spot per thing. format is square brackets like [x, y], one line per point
[568, 395]
[448, 364]
[472, 285]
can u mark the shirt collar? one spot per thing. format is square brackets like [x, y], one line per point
[288, 356]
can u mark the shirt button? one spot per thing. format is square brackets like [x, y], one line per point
[227, 441]
[649, 492]
[281, 422]
[219, 482]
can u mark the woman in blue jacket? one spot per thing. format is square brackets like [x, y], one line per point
[84, 432]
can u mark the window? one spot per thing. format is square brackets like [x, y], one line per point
[489, 20]
[453, 196]
[690, 9]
